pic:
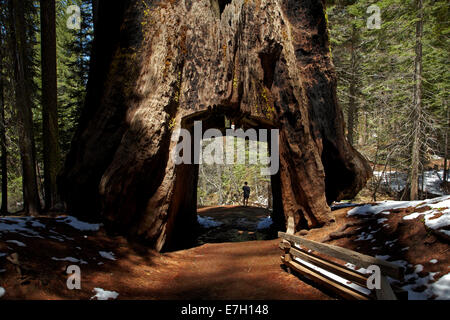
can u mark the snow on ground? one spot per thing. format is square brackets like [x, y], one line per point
[30, 227]
[397, 180]
[264, 223]
[436, 216]
[208, 222]
[20, 225]
[107, 255]
[441, 288]
[79, 225]
[369, 209]
[101, 294]
[70, 259]
[2, 292]
[20, 244]
[262, 201]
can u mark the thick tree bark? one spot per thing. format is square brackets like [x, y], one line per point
[4, 154]
[263, 64]
[49, 102]
[417, 105]
[23, 106]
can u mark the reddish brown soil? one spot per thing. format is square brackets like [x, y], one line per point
[237, 270]
[244, 270]
[409, 240]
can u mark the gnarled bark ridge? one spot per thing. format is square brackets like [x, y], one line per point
[159, 64]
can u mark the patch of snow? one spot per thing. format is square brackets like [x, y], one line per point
[208, 222]
[382, 257]
[369, 209]
[20, 244]
[397, 180]
[107, 255]
[382, 220]
[350, 266]
[2, 254]
[101, 294]
[418, 268]
[2, 292]
[18, 225]
[391, 243]
[264, 223]
[437, 218]
[261, 200]
[412, 216]
[439, 206]
[70, 259]
[433, 261]
[337, 278]
[37, 224]
[441, 288]
[79, 225]
[364, 237]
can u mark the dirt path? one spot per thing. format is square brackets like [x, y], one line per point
[246, 270]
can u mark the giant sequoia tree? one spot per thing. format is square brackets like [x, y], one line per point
[160, 65]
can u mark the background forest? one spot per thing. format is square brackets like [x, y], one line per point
[393, 85]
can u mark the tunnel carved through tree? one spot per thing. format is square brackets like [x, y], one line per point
[156, 63]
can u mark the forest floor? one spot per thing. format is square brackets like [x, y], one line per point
[47, 246]
[35, 254]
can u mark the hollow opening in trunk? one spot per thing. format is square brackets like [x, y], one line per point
[226, 150]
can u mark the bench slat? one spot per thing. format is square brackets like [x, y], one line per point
[331, 267]
[314, 275]
[347, 255]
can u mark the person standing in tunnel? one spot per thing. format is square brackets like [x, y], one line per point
[246, 190]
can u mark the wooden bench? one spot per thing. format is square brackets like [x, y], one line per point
[307, 258]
